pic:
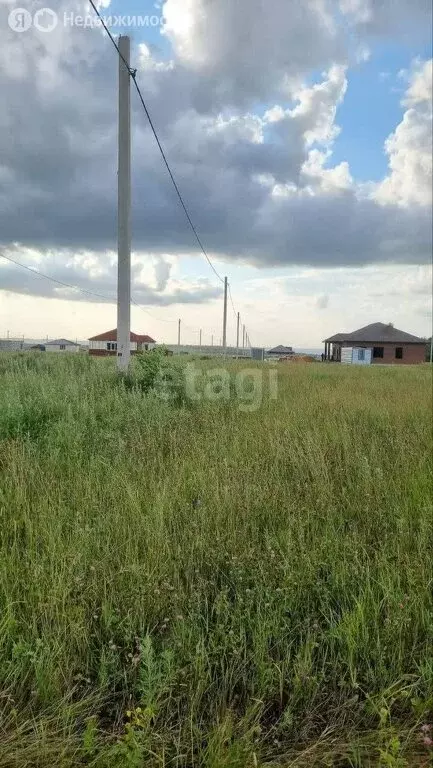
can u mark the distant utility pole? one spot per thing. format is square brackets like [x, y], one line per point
[225, 315]
[212, 339]
[200, 338]
[431, 349]
[237, 334]
[178, 333]
[243, 337]
[124, 210]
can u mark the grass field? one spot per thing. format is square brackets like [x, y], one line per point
[200, 585]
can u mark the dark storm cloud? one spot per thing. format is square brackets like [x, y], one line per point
[58, 171]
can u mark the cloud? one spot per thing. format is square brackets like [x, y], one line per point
[249, 48]
[316, 108]
[96, 276]
[292, 309]
[409, 147]
[258, 180]
[405, 18]
[162, 269]
[322, 302]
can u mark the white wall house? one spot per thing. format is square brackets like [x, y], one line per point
[108, 346]
[356, 355]
[61, 345]
[106, 343]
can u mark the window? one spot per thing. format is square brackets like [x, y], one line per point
[361, 354]
[112, 346]
[377, 351]
[399, 353]
[62, 346]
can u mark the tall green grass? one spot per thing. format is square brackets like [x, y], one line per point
[196, 585]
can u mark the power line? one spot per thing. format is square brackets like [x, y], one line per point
[158, 319]
[87, 292]
[232, 303]
[133, 74]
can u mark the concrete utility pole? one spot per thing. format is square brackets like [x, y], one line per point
[225, 315]
[237, 334]
[178, 333]
[212, 339]
[243, 337]
[124, 211]
[200, 338]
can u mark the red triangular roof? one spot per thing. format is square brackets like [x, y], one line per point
[112, 336]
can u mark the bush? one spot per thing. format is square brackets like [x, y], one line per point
[164, 376]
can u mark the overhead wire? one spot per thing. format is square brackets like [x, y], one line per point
[133, 73]
[55, 280]
[231, 300]
[87, 292]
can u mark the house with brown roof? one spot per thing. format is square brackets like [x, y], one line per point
[105, 344]
[376, 343]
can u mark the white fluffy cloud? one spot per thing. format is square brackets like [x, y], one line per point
[382, 17]
[409, 147]
[250, 47]
[259, 180]
[316, 108]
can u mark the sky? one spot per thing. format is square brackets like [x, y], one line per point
[300, 135]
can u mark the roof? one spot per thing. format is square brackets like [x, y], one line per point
[377, 333]
[281, 350]
[62, 342]
[112, 336]
[338, 337]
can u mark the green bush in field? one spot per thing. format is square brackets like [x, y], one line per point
[165, 376]
[196, 585]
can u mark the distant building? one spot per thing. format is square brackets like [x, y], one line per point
[280, 351]
[11, 345]
[60, 345]
[376, 343]
[105, 344]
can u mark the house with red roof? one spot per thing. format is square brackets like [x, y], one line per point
[105, 344]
